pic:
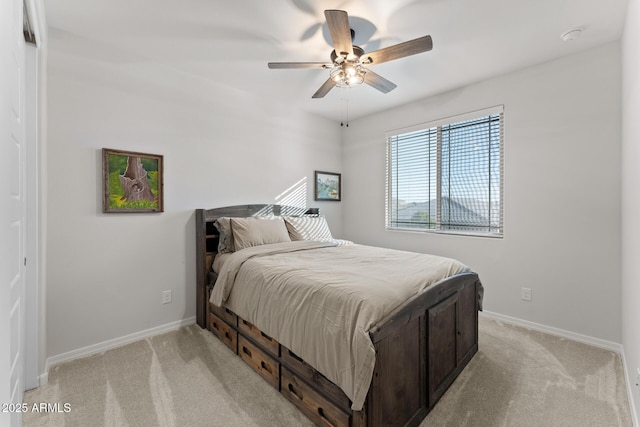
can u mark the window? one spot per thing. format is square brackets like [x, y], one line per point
[447, 175]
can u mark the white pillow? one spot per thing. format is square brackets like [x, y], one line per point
[248, 232]
[308, 228]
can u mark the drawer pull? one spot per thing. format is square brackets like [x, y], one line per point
[295, 392]
[226, 335]
[324, 417]
[246, 351]
[246, 323]
[215, 326]
[266, 367]
[266, 336]
[295, 356]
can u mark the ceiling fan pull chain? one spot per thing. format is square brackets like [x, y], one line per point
[347, 107]
[342, 109]
[344, 99]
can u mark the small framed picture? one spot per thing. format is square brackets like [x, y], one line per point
[327, 186]
[132, 182]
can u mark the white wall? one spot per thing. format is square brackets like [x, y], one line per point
[562, 191]
[631, 196]
[221, 147]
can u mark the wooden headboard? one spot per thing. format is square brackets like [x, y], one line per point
[207, 241]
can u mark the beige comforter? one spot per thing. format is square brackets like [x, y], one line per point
[321, 300]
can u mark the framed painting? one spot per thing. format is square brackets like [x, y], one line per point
[328, 186]
[132, 182]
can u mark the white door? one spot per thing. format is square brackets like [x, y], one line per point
[13, 208]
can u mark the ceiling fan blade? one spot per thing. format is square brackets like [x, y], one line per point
[321, 65]
[378, 82]
[400, 50]
[324, 89]
[338, 23]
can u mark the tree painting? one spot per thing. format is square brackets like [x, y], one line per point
[133, 182]
[327, 186]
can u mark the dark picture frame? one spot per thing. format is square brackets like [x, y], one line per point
[132, 182]
[327, 186]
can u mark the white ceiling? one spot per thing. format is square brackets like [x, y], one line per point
[230, 42]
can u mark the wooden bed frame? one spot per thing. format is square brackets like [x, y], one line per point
[420, 350]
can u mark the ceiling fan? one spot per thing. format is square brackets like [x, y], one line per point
[348, 61]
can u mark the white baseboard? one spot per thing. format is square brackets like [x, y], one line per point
[596, 342]
[43, 379]
[108, 345]
[630, 382]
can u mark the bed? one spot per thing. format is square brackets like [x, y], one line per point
[419, 345]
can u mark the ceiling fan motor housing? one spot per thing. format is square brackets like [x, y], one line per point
[357, 52]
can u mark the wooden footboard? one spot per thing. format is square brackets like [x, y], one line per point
[420, 349]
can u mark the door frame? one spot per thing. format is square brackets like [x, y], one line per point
[35, 370]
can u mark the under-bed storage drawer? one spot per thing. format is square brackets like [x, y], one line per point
[224, 332]
[316, 407]
[260, 361]
[264, 340]
[225, 314]
[313, 377]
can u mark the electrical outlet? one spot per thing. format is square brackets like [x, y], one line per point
[525, 294]
[166, 297]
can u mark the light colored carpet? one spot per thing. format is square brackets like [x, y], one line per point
[521, 377]
[188, 378]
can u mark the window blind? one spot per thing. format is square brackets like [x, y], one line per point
[447, 177]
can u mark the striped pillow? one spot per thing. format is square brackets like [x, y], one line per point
[308, 228]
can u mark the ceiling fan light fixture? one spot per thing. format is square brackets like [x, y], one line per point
[348, 74]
